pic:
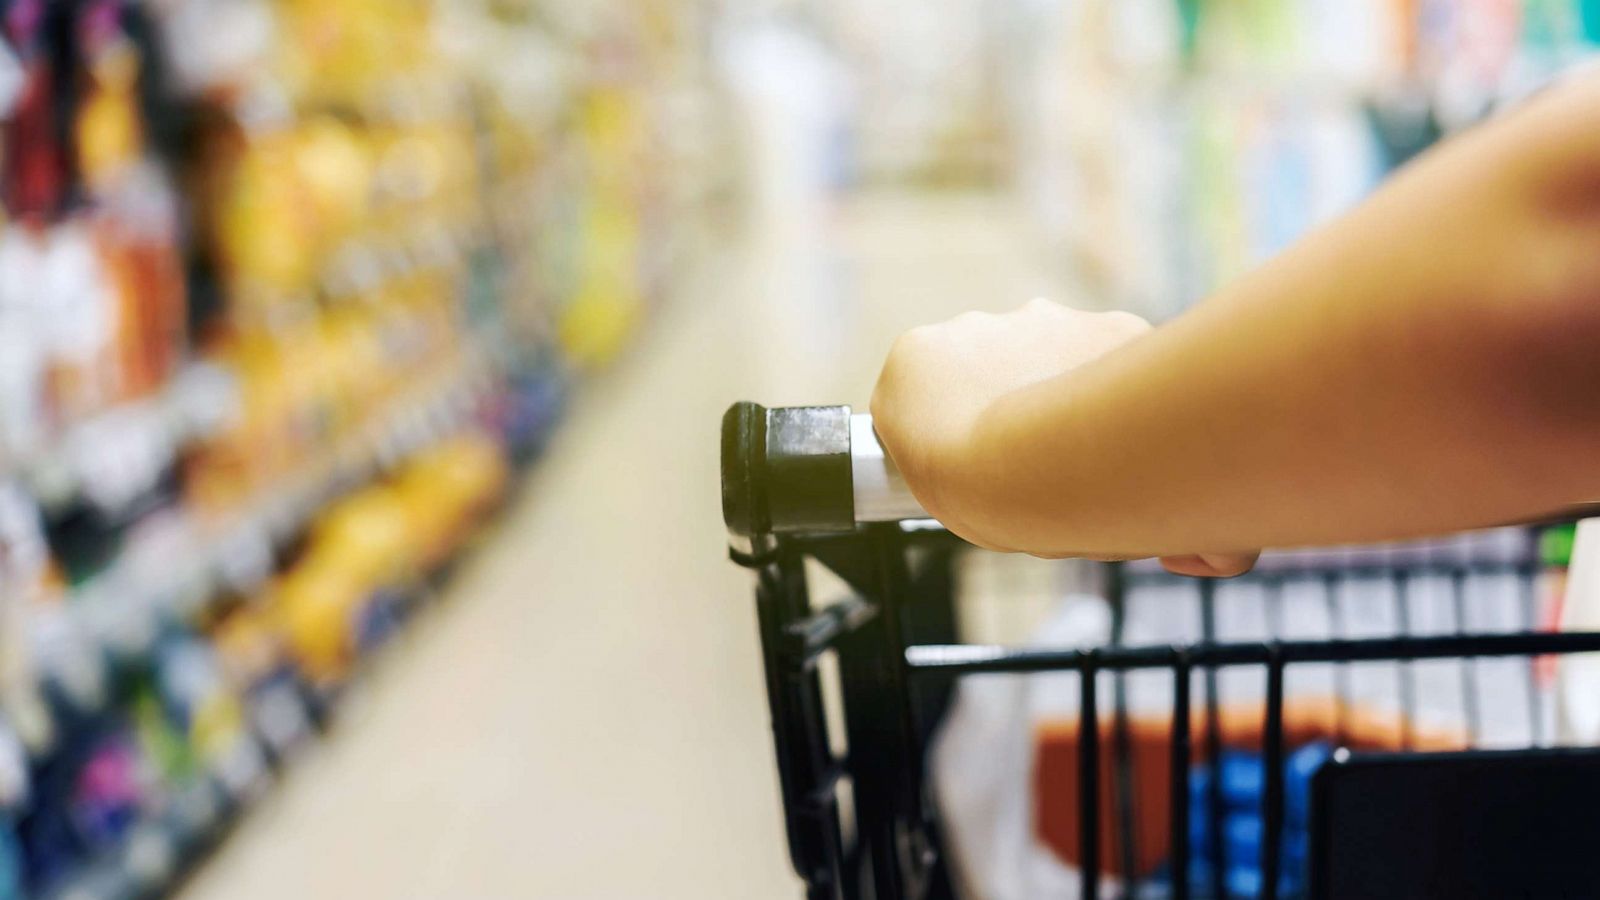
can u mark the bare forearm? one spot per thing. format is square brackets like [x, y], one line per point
[1430, 362]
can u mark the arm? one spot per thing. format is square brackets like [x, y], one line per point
[1429, 362]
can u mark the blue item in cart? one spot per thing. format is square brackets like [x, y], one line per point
[1296, 848]
[1244, 883]
[1241, 835]
[1241, 780]
[1242, 829]
[1298, 772]
[1199, 800]
[1199, 879]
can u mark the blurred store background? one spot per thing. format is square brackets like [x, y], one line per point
[360, 362]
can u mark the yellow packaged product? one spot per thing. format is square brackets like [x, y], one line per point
[368, 536]
[318, 605]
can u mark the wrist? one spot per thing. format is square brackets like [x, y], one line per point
[992, 463]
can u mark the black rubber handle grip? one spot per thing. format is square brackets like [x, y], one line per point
[787, 470]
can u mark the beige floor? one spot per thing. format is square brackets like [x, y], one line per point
[583, 717]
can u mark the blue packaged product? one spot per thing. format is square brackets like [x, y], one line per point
[1199, 833]
[1241, 780]
[1242, 829]
[1298, 772]
[1199, 799]
[1242, 836]
[1296, 847]
[1199, 876]
[1245, 882]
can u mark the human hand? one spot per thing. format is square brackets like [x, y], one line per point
[940, 381]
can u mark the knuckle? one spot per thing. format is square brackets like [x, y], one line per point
[908, 344]
[888, 409]
[879, 406]
[1127, 321]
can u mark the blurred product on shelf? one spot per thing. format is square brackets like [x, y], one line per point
[1177, 143]
[924, 84]
[1556, 545]
[287, 289]
[1578, 609]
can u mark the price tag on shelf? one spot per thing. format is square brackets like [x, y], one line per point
[24, 554]
[242, 770]
[244, 557]
[150, 858]
[97, 882]
[164, 561]
[14, 787]
[119, 615]
[52, 480]
[68, 657]
[13, 79]
[280, 715]
[197, 807]
[121, 455]
[203, 400]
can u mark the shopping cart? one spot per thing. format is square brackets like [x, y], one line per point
[812, 485]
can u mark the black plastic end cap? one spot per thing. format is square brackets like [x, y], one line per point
[744, 447]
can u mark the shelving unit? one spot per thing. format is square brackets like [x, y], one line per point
[342, 273]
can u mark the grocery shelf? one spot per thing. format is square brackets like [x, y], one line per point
[289, 312]
[121, 615]
[120, 612]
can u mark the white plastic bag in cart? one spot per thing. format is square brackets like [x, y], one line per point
[983, 758]
[982, 762]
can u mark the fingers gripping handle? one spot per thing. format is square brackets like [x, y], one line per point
[807, 469]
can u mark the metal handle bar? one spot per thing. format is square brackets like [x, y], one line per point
[807, 469]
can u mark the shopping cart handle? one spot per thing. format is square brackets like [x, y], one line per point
[807, 469]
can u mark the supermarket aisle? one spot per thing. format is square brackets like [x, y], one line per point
[583, 716]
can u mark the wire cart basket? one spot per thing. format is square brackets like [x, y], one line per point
[811, 485]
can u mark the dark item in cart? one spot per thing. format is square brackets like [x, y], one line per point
[1487, 824]
[814, 485]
